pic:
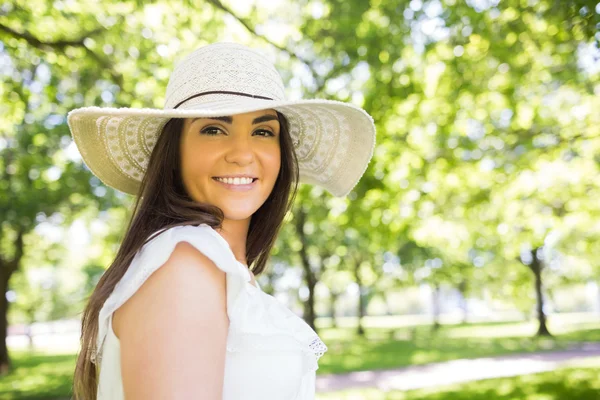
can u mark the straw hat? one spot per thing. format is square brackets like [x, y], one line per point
[333, 140]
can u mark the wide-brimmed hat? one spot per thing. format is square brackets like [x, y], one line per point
[333, 140]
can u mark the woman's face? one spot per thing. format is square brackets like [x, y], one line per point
[216, 150]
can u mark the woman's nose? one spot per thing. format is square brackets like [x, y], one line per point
[240, 150]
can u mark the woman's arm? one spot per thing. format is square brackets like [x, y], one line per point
[173, 331]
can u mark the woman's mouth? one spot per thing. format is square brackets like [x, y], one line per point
[237, 184]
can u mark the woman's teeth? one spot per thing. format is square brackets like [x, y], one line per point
[235, 181]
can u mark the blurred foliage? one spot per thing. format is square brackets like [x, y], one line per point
[488, 139]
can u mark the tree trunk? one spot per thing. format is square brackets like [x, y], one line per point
[333, 296]
[386, 300]
[30, 312]
[29, 337]
[309, 276]
[309, 309]
[462, 288]
[598, 291]
[5, 362]
[435, 294]
[7, 268]
[360, 331]
[537, 267]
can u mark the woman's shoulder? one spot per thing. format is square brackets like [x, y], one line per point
[161, 244]
[160, 247]
[188, 278]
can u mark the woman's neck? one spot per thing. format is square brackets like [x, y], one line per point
[235, 232]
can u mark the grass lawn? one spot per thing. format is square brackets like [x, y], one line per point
[385, 348]
[38, 376]
[580, 383]
[42, 376]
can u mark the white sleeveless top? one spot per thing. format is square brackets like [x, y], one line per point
[272, 354]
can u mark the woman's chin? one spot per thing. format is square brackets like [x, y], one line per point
[237, 214]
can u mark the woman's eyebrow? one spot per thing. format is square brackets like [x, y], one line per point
[264, 118]
[229, 120]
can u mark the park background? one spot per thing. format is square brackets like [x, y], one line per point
[473, 233]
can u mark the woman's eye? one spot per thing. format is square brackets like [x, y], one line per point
[211, 131]
[264, 132]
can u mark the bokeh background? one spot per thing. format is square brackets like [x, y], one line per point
[466, 262]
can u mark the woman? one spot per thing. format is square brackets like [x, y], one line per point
[179, 314]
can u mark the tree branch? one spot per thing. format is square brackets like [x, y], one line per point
[320, 82]
[252, 30]
[59, 44]
[64, 43]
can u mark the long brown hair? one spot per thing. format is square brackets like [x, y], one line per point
[162, 203]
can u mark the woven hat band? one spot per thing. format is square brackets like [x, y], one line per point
[222, 92]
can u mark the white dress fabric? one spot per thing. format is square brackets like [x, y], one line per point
[272, 354]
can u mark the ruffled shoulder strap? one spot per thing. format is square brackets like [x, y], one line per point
[156, 252]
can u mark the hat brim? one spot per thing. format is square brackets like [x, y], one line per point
[334, 141]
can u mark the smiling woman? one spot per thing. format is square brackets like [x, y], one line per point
[178, 313]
